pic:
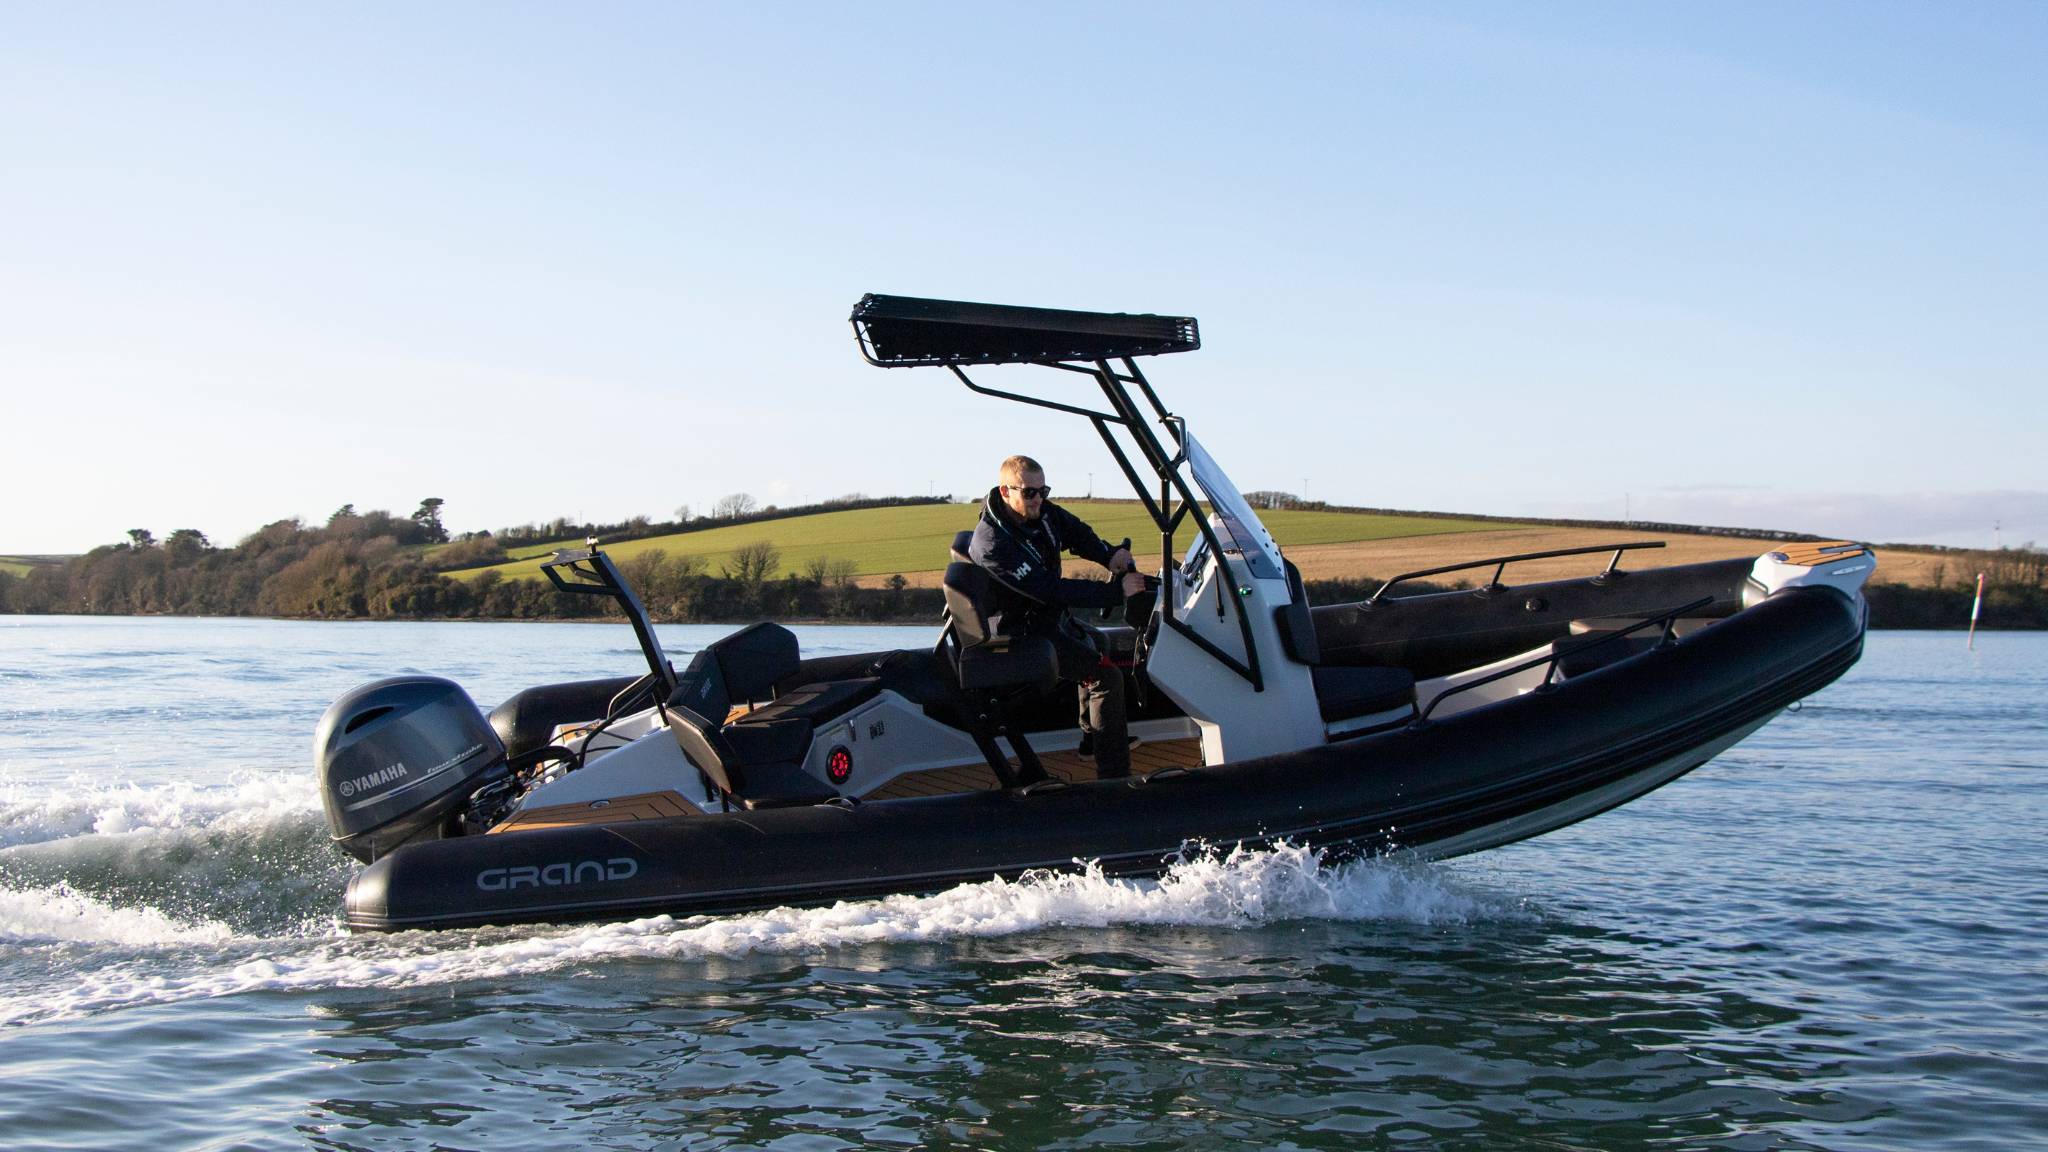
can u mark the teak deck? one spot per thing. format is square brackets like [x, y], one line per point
[1069, 766]
[646, 806]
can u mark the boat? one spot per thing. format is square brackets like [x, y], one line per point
[1418, 721]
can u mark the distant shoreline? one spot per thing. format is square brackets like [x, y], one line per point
[739, 622]
[880, 564]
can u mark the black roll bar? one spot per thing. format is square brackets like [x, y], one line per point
[595, 575]
[1170, 481]
[1167, 468]
[902, 331]
[1116, 450]
[1033, 400]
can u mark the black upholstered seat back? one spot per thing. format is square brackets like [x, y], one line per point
[963, 545]
[701, 688]
[1297, 625]
[754, 658]
[981, 660]
[744, 666]
[757, 764]
[966, 588]
[700, 741]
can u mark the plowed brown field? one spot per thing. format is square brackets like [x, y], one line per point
[1379, 559]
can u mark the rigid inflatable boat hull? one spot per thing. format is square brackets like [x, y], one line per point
[1476, 780]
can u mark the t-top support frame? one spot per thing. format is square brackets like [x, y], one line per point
[905, 332]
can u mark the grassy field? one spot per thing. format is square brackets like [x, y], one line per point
[23, 565]
[880, 541]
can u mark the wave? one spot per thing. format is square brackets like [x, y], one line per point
[32, 814]
[61, 915]
[1239, 888]
[252, 854]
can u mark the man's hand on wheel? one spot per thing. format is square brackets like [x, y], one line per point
[1133, 583]
[1120, 561]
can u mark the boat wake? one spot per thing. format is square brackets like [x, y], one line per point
[251, 854]
[35, 814]
[145, 955]
[61, 915]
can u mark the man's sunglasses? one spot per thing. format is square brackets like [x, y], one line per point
[1030, 493]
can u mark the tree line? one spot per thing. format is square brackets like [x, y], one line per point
[738, 508]
[2015, 592]
[371, 565]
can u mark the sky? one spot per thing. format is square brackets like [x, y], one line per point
[1757, 265]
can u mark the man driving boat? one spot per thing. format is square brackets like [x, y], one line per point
[1019, 539]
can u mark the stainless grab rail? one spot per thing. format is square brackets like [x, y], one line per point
[1502, 562]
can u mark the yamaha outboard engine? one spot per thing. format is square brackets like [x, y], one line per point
[397, 758]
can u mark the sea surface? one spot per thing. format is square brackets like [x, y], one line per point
[1833, 936]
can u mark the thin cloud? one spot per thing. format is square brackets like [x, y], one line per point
[1956, 519]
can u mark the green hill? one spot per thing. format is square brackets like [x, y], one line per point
[879, 541]
[23, 565]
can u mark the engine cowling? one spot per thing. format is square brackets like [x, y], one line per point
[397, 758]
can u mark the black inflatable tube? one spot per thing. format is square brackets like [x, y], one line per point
[1409, 789]
[1441, 632]
[524, 721]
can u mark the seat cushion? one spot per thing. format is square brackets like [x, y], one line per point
[1009, 662]
[1296, 624]
[771, 755]
[1342, 693]
[816, 703]
[768, 742]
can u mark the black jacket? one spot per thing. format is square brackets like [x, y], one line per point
[1027, 593]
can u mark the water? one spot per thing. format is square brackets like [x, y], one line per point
[1834, 936]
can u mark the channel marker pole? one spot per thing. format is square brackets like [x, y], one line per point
[1976, 606]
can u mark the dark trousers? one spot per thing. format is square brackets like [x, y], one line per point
[1102, 703]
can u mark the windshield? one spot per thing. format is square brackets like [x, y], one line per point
[1236, 524]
